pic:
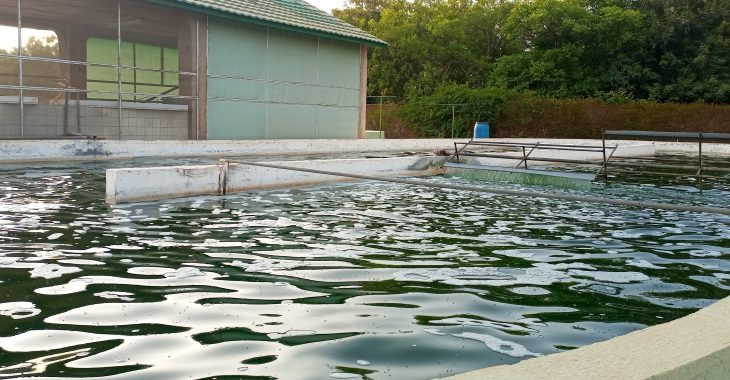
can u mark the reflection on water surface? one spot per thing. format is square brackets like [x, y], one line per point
[362, 281]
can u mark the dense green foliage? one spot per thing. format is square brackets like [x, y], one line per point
[433, 115]
[614, 50]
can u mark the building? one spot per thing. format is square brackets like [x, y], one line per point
[180, 69]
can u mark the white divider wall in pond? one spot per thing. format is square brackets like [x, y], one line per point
[157, 183]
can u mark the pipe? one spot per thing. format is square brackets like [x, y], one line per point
[516, 193]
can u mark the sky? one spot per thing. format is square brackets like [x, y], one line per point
[9, 36]
[327, 5]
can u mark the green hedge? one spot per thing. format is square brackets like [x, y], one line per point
[512, 114]
[454, 109]
[529, 116]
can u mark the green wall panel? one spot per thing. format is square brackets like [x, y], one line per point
[292, 57]
[292, 93]
[236, 49]
[339, 64]
[236, 120]
[236, 89]
[333, 96]
[336, 122]
[292, 121]
[280, 85]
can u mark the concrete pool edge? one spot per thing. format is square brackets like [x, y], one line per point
[694, 347]
[16, 151]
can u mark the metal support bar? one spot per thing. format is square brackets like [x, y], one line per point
[562, 160]
[21, 93]
[223, 167]
[66, 101]
[78, 112]
[542, 145]
[458, 151]
[525, 156]
[572, 148]
[699, 171]
[119, 66]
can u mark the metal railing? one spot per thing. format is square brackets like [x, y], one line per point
[699, 137]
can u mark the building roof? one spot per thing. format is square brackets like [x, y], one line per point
[296, 15]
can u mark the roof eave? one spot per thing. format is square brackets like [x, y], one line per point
[267, 23]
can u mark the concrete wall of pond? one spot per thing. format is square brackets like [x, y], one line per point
[696, 347]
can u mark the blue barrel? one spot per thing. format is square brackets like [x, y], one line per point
[481, 130]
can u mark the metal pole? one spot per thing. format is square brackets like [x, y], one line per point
[524, 156]
[78, 111]
[699, 172]
[380, 123]
[605, 160]
[119, 66]
[453, 119]
[20, 73]
[66, 101]
[197, 76]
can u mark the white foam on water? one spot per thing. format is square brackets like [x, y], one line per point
[93, 250]
[531, 321]
[125, 247]
[8, 260]
[640, 263]
[213, 243]
[47, 340]
[290, 333]
[564, 266]
[704, 253]
[50, 271]
[345, 375]
[161, 243]
[149, 271]
[673, 230]
[270, 241]
[626, 235]
[80, 262]
[503, 326]
[124, 296]
[540, 255]
[484, 276]
[498, 345]
[19, 310]
[266, 265]
[76, 285]
[54, 236]
[530, 291]
[199, 265]
[363, 363]
[615, 277]
[185, 272]
[434, 331]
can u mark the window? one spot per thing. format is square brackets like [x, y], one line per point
[152, 70]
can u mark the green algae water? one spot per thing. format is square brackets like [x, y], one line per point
[352, 281]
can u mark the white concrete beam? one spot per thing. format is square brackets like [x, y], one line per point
[142, 184]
